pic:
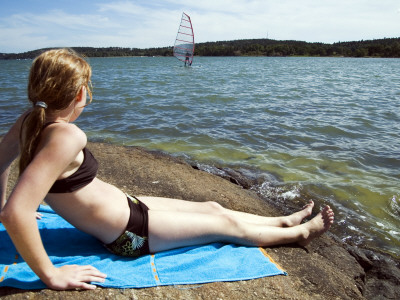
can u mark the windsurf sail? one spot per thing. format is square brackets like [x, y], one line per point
[184, 42]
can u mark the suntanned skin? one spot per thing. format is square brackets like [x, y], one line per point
[101, 209]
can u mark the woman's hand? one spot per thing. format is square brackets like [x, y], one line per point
[74, 276]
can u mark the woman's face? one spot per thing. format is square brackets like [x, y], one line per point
[80, 104]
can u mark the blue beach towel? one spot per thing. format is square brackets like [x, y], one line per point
[190, 265]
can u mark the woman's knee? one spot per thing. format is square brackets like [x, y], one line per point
[234, 226]
[215, 208]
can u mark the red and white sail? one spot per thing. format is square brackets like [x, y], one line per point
[184, 42]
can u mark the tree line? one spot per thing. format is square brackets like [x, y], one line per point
[388, 47]
[266, 47]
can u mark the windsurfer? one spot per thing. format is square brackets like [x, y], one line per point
[184, 42]
[187, 61]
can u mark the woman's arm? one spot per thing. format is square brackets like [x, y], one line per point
[56, 152]
[9, 151]
[3, 186]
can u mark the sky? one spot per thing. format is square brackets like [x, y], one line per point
[34, 24]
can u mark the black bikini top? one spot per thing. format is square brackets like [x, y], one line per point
[85, 174]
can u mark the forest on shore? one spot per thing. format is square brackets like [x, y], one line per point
[388, 47]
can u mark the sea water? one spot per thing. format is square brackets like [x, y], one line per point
[325, 129]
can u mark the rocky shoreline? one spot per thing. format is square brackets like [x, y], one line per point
[326, 269]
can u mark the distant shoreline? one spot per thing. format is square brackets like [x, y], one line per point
[380, 48]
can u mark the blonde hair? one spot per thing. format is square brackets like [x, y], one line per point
[56, 78]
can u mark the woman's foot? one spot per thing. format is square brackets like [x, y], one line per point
[298, 217]
[317, 226]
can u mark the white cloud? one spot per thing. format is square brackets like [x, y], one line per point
[57, 18]
[123, 8]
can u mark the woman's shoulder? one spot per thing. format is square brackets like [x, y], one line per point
[64, 127]
[66, 134]
[12, 137]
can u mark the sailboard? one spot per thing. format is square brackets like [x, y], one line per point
[184, 42]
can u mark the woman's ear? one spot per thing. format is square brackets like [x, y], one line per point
[82, 94]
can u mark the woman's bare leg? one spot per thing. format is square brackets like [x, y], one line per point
[170, 229]
[210, 207]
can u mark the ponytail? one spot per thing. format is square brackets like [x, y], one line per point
[31, 130]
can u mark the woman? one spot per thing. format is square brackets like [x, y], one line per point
[55, 165]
